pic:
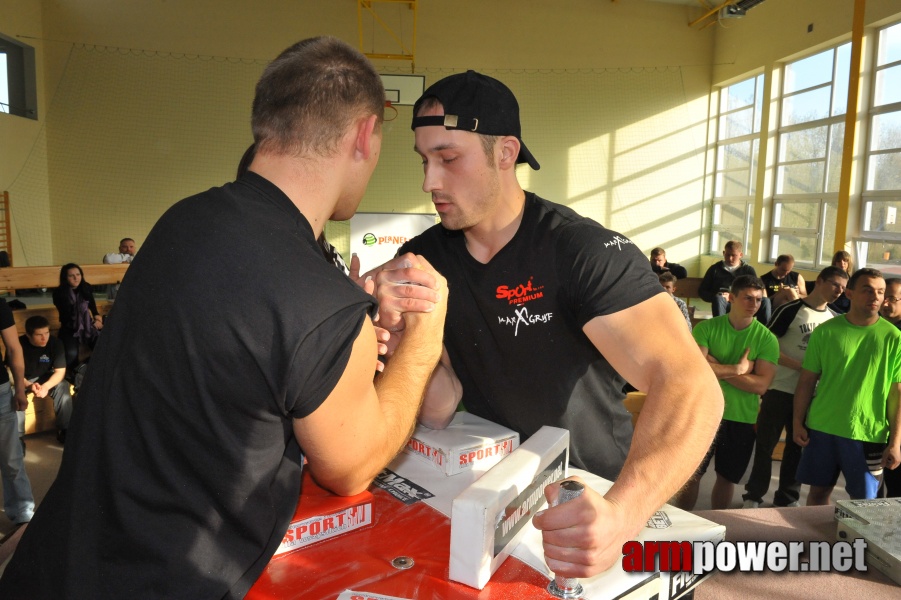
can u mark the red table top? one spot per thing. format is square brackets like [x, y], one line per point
[361, 561]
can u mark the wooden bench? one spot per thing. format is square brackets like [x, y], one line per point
[23, 278]
[687, 289]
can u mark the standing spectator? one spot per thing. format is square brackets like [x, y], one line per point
[18, 500]
[668, 281]
[45, 370]
[791, 324]
[125, 254]
[79, 321]
[842, 260]
[782, 284]
[853, 363]
[660, 265]
[718, 280]
[743, 355]
[891, 312]
[891, 307]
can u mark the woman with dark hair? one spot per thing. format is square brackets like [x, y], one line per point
[842, 260]
[79, 321]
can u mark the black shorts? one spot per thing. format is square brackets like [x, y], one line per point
[733, 447]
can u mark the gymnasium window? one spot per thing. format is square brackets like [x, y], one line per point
[809, 141]
[880, 243]
[18, 90]
[737, 148]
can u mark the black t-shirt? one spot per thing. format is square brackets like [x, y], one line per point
[41, 362]
[181, 471]
[773, 284]
[6, 320]
[514, 327]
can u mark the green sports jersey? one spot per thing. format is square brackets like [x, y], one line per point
[857, 366]
[727, 345]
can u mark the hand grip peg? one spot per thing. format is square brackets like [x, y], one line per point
[567, 587]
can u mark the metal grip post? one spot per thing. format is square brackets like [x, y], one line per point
[567, 587]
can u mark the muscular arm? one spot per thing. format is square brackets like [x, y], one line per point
[802, 286]
[682, 410]
[723, 371]
[758, 381]
[807, 383]
[377, 417]
[16, 361]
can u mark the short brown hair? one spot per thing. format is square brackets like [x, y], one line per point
[658, 252]
[308, 97]
[733, 245]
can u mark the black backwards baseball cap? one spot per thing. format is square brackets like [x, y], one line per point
[477, 103]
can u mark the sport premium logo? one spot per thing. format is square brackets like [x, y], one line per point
[521, 293]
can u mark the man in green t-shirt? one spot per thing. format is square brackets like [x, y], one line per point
[853, 363]
[743, 355]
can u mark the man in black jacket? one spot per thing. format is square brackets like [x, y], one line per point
[718, 279]
[660, 265]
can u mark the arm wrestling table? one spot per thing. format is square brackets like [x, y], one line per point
[411, 522]
[803, 524]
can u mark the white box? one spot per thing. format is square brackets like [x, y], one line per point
[879, 523]
[468, 443]
[490, 516]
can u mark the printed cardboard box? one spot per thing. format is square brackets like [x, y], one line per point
[468, 443]
[321, 515]
[879, 523]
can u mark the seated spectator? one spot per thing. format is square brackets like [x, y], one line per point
[79, 321]
[842, 260]
[45, 370]
[125, 254]
[718, 280]
[660, 265]
[782, 284]
[668, 281]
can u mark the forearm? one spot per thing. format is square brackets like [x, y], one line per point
[751, 382]
[58, 376]
[803, 396]
[678, 421]
[442, 396]
[402, 385]
[724, 371]
[789, 362]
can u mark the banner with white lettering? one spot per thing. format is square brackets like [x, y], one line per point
[376, 237]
